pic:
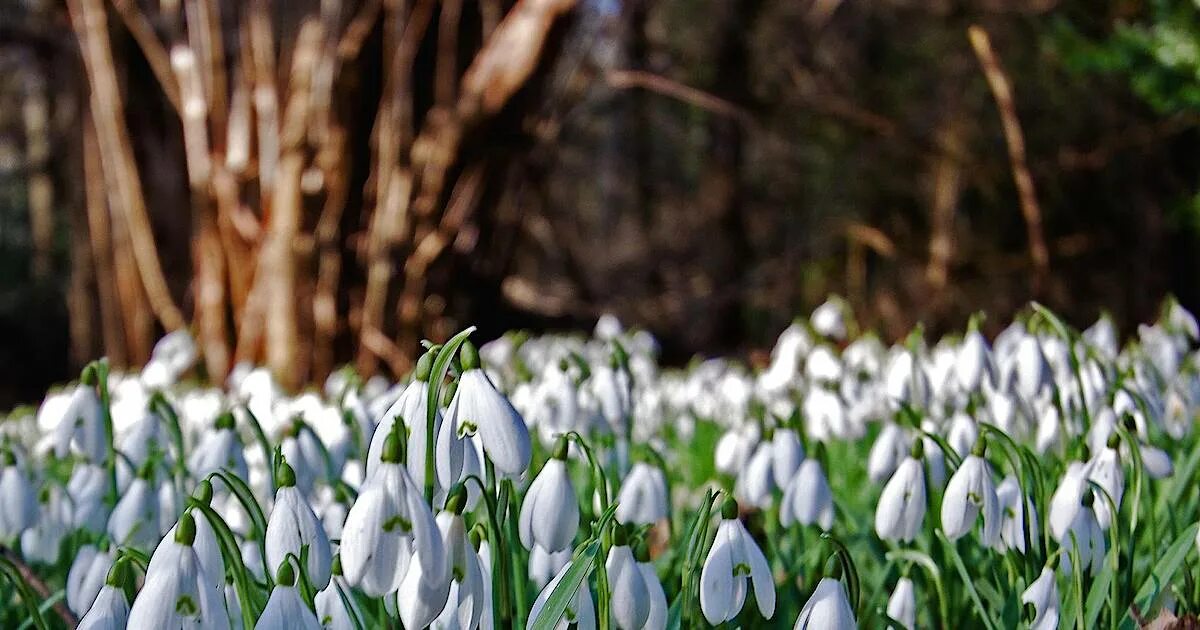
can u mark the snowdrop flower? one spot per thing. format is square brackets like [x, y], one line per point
[286, 609]
[331, 610]
[550, 510]
[733, 560]
[464, 604]
[890, 447]
[219, 449]
[902, 605]
[41, 542]
[630, 597]
[1049, 428]
[86, 577]
[825, 416]
[1180, 320]
[17, 495]
[1032, 371]
[656, 619]
[973, 361]
[110, 610]
[1105, 470]
[905, 381]
[134, 520]
[756, 481]
[734, 447]
[1043, 595]
[970, 491]
[935, 459]
[963, 433]
[1067, 499]
[822, 366]
[208, 550]
[827, 609]
[1013, 508]
[80, 424]
[608, 327]
[544, 565]
[300, 447]
[829, 319]
[1085, 535]
[292, 526]
[478, 407]
[786, 454]
[421, 598]
[175, 593]
[807, 498]
[793, 343]
[557, 410]
[171, 357]
[580, 613]
[136, 445]
[410, 409]
[901, 506]
[388, 524]
[643, 499]
[1156, 462]
[1102, 336]
[484, 553]
[610, 386]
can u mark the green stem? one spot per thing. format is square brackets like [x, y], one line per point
[604, 598]
[500, 573]
[519, 572]
[100, 369]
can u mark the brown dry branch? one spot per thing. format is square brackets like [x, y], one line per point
[100, 236]
[625, 79]
[277, 264]
[142, 31]
[946, 183]
[268, 158]
[393, 181]
[1013, 136]
[36, 116]
[124, 184]
[39, 587]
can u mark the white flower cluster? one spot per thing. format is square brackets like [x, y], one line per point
[560, 481]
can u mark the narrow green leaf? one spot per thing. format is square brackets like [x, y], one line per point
[28, 597]
[261, 437]
[247, 593]
[560, 598]
[433, 392]
[1160, 578]
[968, 582]
[47, 604]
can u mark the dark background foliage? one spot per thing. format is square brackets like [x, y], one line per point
[706, 169]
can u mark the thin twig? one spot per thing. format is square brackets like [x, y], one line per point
[1002, 92]
[38, 586]
[625, 79]
[156, 54]
[125, 187]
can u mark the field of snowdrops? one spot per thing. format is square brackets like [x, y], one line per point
[1046, 478]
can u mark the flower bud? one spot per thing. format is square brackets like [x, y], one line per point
[185, 532]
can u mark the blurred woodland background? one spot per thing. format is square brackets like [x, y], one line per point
[307, 183]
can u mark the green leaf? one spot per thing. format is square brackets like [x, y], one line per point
[28, 597]
[1158, 580]
[259, 435]
[245, 496]
[968, 582]
[351, 610]
[248, 595]
[47, 604]
[441, 365]
[560, 598]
